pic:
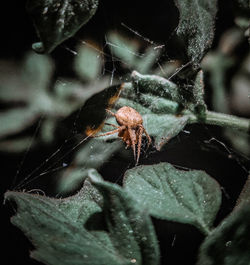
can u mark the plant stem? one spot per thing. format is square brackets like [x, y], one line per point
[224, 120]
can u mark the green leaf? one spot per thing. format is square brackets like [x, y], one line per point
[164, 127]
[128, 52]
[131, 229]
[58, 20]
[37, 71]
[22, 83]
[190, 197]
[229, 243]
[145, 64]
[15, 120]
[218, 63]
[196, 27]
[56, 226]
[244, 4]
[122, 48]
[72, 230]
[191, 97]
[69, 90]
[88, 63]
[47, 130]
[92, 155]
[156, 85]
[17, 145]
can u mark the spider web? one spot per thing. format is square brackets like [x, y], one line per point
[116, 69]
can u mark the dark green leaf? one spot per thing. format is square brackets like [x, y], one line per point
[156, 85]
[191, 98]
[164, 127]
[72, 230]
[90, 116]
[131, 230]
[190, 197]
[218, 63]
[229, 243]
[196, 27]
[58, 20]
[92, 155]
[56, 227]
[244, 4]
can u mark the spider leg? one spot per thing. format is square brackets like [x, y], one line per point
[110, 112]
[113, 125]
[112, 132]
[108, 133]
[132, 137]
[148, 137]
[139, 133]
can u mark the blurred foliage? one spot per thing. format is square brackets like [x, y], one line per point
[30, 95]
[242, 17]
[230, 93]
[128, 53]
[92, 155]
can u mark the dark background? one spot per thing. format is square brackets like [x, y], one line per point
[155, 20]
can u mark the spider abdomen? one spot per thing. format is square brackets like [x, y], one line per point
[128, 116]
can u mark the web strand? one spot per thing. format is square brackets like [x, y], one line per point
[30, 177]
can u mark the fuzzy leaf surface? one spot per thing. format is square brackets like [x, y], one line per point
[190, 197]
[229, 243]
[131, 229]
[58, 20]
[91, 155]
[73, 231]
[196, 27]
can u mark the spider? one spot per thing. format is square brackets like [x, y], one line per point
[130, 130]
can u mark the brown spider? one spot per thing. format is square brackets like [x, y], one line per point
[130, 129]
